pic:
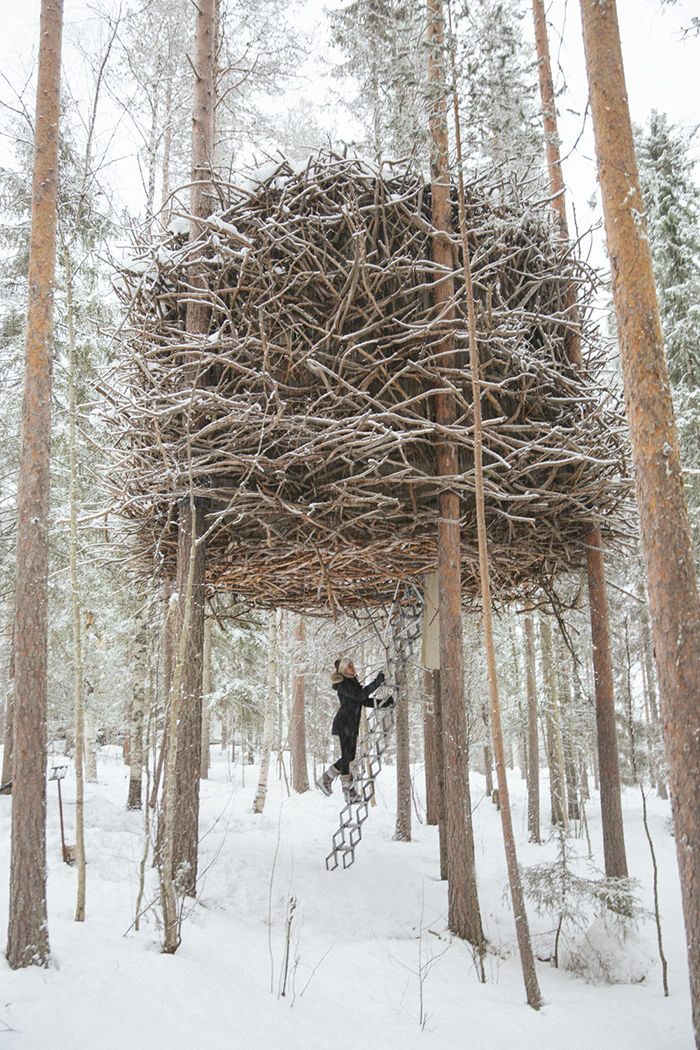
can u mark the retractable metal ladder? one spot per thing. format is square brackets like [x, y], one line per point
[402, 631]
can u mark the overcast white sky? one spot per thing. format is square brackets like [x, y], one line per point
[662, 69]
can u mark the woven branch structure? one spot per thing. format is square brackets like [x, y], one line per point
[305, 416]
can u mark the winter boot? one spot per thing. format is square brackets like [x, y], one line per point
[349, 789]
[325, 781]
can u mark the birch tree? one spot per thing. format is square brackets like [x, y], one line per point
[270, 707]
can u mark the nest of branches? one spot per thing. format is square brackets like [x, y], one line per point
[305, 414]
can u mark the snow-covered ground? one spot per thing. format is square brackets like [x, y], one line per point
[371, 962]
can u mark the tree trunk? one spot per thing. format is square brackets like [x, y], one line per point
[403, 771]
[189, 731]
[206, 693]
[463, 907]
[27, 934]
[90, 747]
[297, 729]
[270, 705]
[566, 713]
[168, 644]
[608, 762]
[527, 960]
[75, 599]
[7, 738]
[191, 521]
[429, 751]
[533, 745]
[137, 709]
[615, 858]
[665, 528]
[554, 745]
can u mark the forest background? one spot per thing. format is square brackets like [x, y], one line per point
[105, 194]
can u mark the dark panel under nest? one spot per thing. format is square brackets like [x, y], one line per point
[308, 407]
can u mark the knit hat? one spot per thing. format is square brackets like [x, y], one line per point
[343, 664]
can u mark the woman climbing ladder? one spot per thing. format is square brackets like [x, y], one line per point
[346, 723]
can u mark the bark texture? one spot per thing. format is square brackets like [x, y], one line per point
[270, 706]
[533, 745]
[189, 728]
[668, 550]
[189, 736]
[403, 771]
[429, 750]
[297, 729]
[611, 808]
[463, 908]
[27, 934]
[206, 693]
[138, 703]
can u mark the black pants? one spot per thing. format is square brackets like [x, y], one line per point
[348, 747]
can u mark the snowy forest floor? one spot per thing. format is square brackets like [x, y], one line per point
[370, 959]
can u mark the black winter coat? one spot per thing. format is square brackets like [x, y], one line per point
[353, 697]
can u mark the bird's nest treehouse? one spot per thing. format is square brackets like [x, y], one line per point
[305, 415]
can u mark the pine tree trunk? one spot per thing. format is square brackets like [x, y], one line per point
[608, 762]
[170, 884]
[533, 745]
[27, 934]
[270, 705]
[463, 907]
[189, 733]
[613, 835]
[297, 729]
[666, 539]
[191, 522]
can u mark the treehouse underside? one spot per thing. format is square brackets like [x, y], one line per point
[305, 416]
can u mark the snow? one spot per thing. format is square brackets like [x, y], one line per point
[366, 943]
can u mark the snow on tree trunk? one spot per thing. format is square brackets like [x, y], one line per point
[27, 934]
[270, 706]
[666, 539]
